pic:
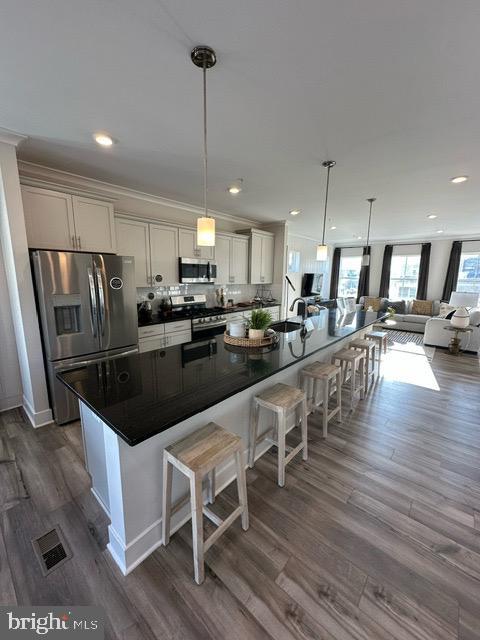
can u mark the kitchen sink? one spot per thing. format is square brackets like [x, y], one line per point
[286, 326]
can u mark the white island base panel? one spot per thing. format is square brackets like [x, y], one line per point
[127, 481]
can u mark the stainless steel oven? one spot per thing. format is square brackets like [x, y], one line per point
[197, 270]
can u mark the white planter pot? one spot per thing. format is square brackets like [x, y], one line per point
[237, 329]
[256, 333]
[461, 318]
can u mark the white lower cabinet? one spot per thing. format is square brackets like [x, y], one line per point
[160, 336]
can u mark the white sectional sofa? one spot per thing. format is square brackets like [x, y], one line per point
[408, 321]
[437, 336]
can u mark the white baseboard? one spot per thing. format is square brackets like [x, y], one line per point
[37, 418]
[128, 556]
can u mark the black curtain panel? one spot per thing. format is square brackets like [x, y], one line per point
[385, 277]
[423, 272]
[364, 279]
[335, 273]
[452, 270]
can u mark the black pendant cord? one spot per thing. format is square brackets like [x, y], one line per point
[205, 156]
[371, 201]
[328, 164]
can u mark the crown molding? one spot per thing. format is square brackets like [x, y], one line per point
[409, 241]
[11, 137]
[37, 175]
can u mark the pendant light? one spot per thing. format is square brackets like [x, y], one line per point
[366, 256]
[205, 58]
[322, 249]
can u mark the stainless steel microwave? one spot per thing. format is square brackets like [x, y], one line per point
[197, 270]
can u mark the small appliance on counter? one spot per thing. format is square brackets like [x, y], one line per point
[145, 313]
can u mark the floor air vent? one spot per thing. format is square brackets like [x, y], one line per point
[51, 550]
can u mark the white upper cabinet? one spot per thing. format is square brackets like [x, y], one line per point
[56, 220]
[231, 256]
[262, 246]
[133, 239]
[187, 242]
[164, 254]
[222, 258]
[94, 225]
[239, 260]
[49, 219]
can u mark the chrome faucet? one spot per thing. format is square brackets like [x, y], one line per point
[304, 315]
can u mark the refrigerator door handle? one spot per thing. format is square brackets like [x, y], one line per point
[93, 302]
[101, 298]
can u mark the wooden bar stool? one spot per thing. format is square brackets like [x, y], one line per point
[196, 456]
[352, 361]
[323, 375]
[282, 399]
[381, 338]
[369, 347]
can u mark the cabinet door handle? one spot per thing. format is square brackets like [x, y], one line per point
[74, 244]
[79, 240]
[233, 278]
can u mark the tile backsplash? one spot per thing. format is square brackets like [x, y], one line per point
[239, 293]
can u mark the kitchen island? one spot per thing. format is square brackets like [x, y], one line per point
[133, 407]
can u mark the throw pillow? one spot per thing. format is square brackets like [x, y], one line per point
[399, 306]
[372, 302]
[422, 307]
[445, 309]
[475, 317]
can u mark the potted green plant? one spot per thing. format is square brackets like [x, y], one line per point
[258, 323]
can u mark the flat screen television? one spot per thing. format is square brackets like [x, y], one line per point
[312, 284]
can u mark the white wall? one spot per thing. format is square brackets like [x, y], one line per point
[13, 238]
[307, 248]
[10, 382]
[438, 263]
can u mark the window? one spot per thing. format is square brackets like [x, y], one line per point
[469, 273]
[404, 277]
[349, 275]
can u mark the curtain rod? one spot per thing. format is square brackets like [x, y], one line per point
[406, 244]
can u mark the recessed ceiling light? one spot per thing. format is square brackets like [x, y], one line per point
[103, 139]
[459, 179]
[359, 237]
[333, 228]
[294, 212]
[236, 187]
[432, 216]
[439, 230]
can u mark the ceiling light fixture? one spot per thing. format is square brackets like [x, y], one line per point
[359, 237]
[366, 256]
[103, 139]
[439, 230]
[432, 216]
[333, 228]
[322, 249]
[205, 58]
[294, 212]
[236, 187]
[458, 179]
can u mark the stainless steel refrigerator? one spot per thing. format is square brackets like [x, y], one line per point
[87, 306]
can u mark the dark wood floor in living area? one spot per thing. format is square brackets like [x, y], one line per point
[376, 536]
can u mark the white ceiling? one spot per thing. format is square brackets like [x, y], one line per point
[388, 89]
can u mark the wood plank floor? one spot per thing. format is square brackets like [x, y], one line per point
[377, 535]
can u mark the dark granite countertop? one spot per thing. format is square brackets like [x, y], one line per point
[161, 318]
[143, 394]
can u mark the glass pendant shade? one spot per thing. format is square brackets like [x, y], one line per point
[206, 232]
[322, 252]
[365, 260]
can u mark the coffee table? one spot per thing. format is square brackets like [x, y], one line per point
[454, 345]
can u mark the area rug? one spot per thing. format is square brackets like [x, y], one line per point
[408, 341]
